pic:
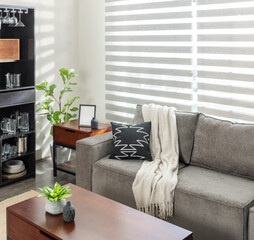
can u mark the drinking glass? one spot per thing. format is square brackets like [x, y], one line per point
[7, 147]
[12, 126]
[16, 80]
[9, 80]
[1, 18]
[15, 116]
[19, 23]
[6, 19]
[3, 150]
[15, 150]
[13, 20]
[11, 151]
[23, 122]
[4, 125]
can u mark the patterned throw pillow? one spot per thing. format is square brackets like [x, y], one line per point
[131, 141]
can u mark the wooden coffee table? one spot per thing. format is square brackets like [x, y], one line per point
[97, 218]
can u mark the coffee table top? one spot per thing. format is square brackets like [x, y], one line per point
[97, 218]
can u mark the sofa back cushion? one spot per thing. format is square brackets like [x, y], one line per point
[186, 124]
[224, 146]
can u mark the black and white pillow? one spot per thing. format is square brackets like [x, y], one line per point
[131, 141]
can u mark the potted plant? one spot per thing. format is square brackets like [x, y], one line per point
[55, 108]
[56, 198]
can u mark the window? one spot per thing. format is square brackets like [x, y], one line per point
[194, 55]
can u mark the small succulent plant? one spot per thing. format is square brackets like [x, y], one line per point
[56, 193]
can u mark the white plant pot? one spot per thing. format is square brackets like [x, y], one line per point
[63, 154]
[55, 208]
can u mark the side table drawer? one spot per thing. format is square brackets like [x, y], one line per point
[18, 229]
[65, 136]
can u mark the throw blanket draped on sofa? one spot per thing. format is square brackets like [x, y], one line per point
[155, 182]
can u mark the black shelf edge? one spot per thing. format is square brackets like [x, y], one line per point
[14, 61]
[13, 105]
[19, 156]
[18, 134]
[8, 181]
[16, 89]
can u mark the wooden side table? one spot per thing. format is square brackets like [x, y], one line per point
[66, 134]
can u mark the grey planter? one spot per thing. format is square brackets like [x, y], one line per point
[55, 208]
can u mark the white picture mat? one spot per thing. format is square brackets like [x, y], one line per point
[86, 115]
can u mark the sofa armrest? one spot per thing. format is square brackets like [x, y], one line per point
[251, 223]
[88, 151]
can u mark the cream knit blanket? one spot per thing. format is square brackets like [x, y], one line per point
[155, 182]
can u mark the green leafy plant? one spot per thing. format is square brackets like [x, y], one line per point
[56, 193]
[65, 111]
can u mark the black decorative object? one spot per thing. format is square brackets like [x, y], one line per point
[68, 212]
[94, 123]
[131, 141]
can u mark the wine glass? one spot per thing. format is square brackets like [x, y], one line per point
[13, 20]
[19, 23]
[6, 19]
[1, 18]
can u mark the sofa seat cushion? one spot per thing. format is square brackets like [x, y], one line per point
[113, 179]
[211, 203]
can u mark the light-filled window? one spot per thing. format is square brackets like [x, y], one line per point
[194, 55]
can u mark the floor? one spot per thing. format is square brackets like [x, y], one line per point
[44, 176]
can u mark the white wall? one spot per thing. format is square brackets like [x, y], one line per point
[56, 24]
[69, 33]
[91, 54]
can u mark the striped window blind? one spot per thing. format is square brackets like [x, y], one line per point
[225, 51]
[194, 55]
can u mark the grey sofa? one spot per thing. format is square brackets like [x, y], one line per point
[214, 197]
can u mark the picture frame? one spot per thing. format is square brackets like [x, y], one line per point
[86, 113]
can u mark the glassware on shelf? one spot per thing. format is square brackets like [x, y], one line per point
[6, 19]
[13, 20]
[4, 125]
[8, 126]
[13, 80]
[15, 116]
[1, 18]
[16, 80]
[12, 126]
[23, 122]
[20, 23]
[7, 147]
[3, 151]
[9, 80]
[9, 151]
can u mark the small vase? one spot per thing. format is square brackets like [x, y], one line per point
[55, 208]
[68, 212]
[94, 123]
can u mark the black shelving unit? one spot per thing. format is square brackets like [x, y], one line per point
[20, 99]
